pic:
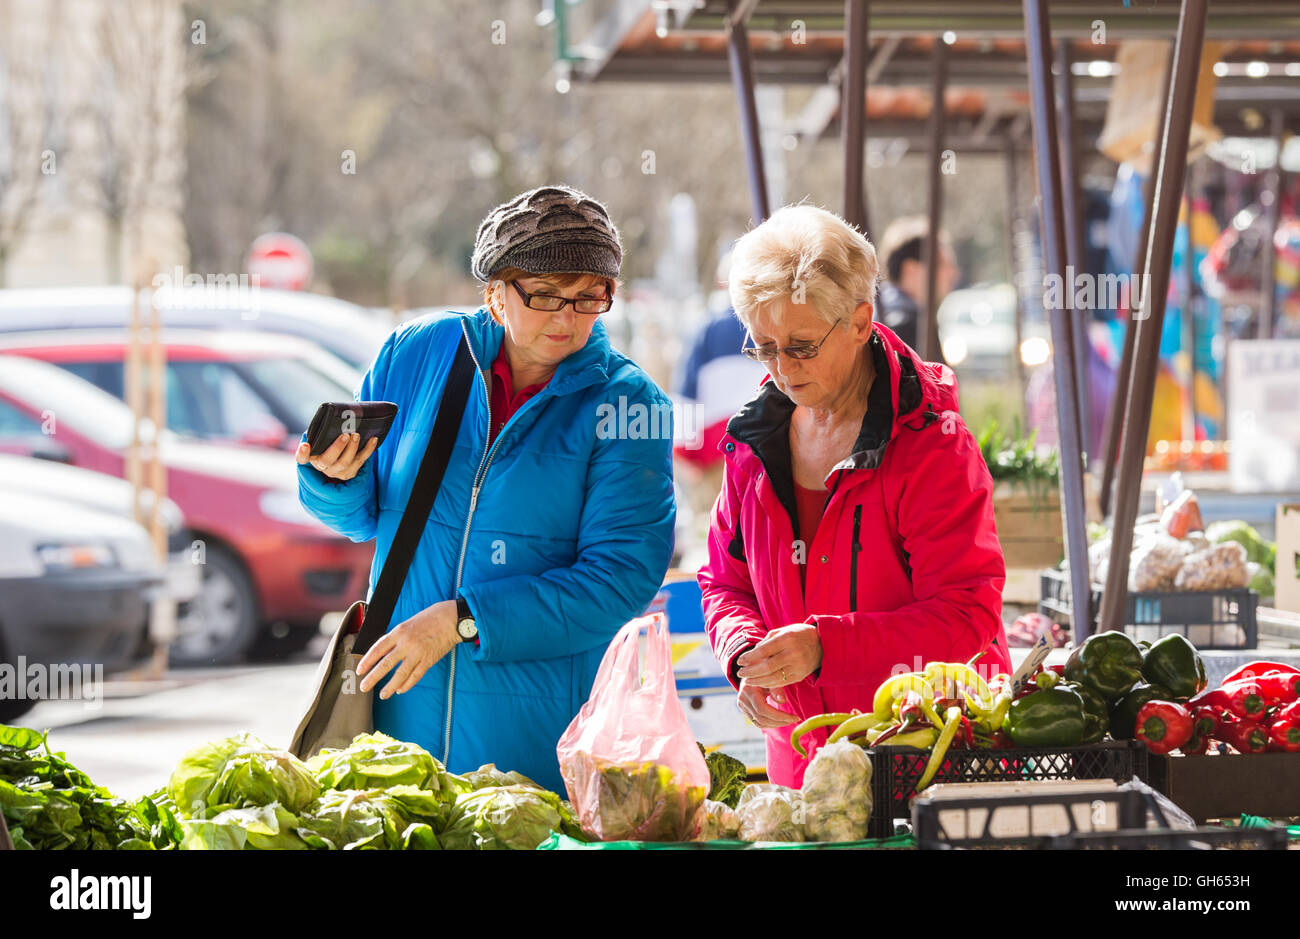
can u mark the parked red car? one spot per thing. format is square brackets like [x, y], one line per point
[252, 388]
[268, 567]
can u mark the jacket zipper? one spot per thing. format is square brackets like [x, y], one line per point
[853, 554]
[479, 475]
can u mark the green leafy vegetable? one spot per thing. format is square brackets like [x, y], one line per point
[360, 819]
[377, 761]
[488, 775]
[503, 818]
[1015, 459]
[237, 772]
[265, 827]
[49, 804]
[726, 777]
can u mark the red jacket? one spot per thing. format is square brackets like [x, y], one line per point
[905, 567]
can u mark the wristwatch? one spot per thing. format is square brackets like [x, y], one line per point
[465, 621]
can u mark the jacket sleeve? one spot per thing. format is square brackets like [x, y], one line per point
[944, 504]
[350, 507]
[731, 616]
[624, 546]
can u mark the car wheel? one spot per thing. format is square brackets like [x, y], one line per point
[12, 708]
[221, 622]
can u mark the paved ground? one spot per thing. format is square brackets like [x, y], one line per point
[131, 741]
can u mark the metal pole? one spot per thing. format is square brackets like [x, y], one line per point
[1171, 169]
[1047, 164]
[1268, 309]
[927, 331]
[1115, 413]
[853, 107]
[1075, 258]
[742, 76]
[1011, 183]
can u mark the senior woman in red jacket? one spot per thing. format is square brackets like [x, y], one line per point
[853, 536]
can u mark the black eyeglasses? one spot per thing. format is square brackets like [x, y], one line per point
[548, 303]
[800, 350]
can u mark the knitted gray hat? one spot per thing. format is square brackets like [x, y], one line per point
[549, 230]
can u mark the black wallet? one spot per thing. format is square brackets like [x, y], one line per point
[367, 418]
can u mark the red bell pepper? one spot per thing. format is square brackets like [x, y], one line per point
[1244, 736]
[1245, 698]
[1163, 726]
[1205, 722]
[1289, 713]
[1284, 735]
[1196, 746]
[1258, 668]
[1279, 687]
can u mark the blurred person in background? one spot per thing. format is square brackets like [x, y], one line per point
[854, 533]
[903, 247]
[716, 379]
[547, 533]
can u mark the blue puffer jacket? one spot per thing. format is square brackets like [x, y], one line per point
[570, 538]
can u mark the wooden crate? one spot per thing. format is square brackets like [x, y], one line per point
[1029, 525]
[1214, 786]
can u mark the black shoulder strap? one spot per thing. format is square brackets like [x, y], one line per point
[436, 457]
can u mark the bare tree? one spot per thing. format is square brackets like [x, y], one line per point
[26, 117]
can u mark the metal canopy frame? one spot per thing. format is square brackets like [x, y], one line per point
[1047, 162]
[1013, 49]
[1169, 172]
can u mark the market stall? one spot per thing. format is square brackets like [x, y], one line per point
[1133, 732]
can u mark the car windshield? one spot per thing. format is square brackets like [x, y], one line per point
[297, 386]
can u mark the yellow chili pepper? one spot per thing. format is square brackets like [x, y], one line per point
[921, 739]
[891, 688]
[955, 675]
[812, 723]
[952, 721]
[856, 724]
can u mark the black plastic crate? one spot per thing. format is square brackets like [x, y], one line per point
[980, 818]
[897, 770]
[1173, 839]
[1197, 614]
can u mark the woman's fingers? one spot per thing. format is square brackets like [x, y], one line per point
[771, 672]
[303, 453]
[333, 452]
[376, 674]
[375, 653]
[349, 451]
[753, 704]
[364, 455]
[398, 682]
[772, 717]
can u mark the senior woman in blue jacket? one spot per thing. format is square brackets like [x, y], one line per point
[553, 525]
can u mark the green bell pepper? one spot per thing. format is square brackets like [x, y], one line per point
[1052, 717]
[1174, 663]
[1124, 712]
[1096, 714]
[1109, 663]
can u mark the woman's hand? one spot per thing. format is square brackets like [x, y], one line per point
[752, 701]
[418, 643]
[786, 656]
[341, 460]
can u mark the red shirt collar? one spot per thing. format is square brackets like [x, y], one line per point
[501, 370]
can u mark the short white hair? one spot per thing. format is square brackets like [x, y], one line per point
[803, 246]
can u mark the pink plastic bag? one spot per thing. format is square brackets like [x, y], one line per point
[629, 760]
